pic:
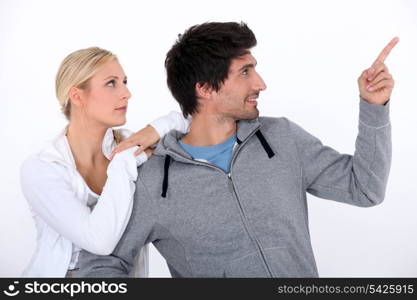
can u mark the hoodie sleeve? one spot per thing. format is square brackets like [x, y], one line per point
[136, 236]
[360, 179]
[172, 121]
[49, 190]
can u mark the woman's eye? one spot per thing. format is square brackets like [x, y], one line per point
[111, 83]
[125, 82]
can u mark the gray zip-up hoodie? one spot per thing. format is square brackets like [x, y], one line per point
[252, 222]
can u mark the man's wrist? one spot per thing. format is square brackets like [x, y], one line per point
[374, 115]
[376, 103]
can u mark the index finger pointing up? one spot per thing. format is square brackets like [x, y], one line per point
[384, 53]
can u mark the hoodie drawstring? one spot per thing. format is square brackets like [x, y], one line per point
[165, 182]
[265, 144]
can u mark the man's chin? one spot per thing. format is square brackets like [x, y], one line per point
[244, 115]
[250, 115]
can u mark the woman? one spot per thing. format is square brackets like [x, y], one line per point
[80, 195]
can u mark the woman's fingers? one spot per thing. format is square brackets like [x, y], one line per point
[126, 144]
[145, 137]
[139, 151]
[149, 152]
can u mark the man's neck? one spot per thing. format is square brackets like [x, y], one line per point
[209, 130]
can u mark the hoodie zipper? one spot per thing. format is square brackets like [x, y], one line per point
[253, 236]
[230, 180]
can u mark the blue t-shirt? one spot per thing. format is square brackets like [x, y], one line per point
[219, 155]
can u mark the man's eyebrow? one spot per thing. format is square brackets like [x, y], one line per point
[251, 65]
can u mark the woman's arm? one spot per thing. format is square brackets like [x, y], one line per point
[47, 187]
[151, 134]
[172, 121]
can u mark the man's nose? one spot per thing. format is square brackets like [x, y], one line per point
[259, 83]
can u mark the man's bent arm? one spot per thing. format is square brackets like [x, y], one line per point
[360, 179]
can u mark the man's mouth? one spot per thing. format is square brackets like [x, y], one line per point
[252, 99]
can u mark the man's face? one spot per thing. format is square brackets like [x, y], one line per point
[236, 98]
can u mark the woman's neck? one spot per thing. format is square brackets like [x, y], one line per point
[86, 141]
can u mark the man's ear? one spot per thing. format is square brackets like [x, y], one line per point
[203, 91]
[76, 96]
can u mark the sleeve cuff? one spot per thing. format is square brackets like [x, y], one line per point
[173, 120]
[125, 161]
[374, 115]
[141, 158]
[160, 126]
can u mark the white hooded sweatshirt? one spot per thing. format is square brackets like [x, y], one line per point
[69, 216]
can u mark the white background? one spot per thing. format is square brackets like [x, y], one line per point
[309, 53]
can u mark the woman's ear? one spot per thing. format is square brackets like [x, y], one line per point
[75, 96]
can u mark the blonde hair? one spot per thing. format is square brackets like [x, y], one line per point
[76, 70]
[118, 137]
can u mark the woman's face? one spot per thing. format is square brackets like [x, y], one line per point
[106, 98]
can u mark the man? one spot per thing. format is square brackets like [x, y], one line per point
[228, 199]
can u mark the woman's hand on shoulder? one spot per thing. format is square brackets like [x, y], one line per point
[144, 138]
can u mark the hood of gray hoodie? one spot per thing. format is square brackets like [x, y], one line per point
[169, 143]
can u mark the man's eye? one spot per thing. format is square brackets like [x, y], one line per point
[125, 82]
[245, 72]
[111, 83]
